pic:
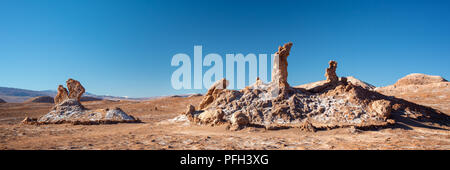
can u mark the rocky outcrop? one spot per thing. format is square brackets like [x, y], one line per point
[419, 79]
[70, 110]
[40, 99]
[213, 92]
[330, 72]
[335, 103]
[2, 101]
[427, 90]
[61, 95]
[76, 90]
[279, 71]
[350, 79]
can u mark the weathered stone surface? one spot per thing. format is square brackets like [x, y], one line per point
[279, 71]
[213, 92]
[239, 118]
[71, 111]
[419, 79]
[427, 90]
[335, 103]
[211, 117]
[381, 107]
[62, 94]
[76, 90]
[330, 72]
[68, 109]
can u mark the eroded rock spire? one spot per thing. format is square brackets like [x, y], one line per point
[76, 90]
[279, 71]
[62, 94]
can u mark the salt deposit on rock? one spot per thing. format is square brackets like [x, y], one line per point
[72, 111]
[335, 103]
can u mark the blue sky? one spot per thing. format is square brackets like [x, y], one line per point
[124, 48]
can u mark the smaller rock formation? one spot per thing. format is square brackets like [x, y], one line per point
[68, 109]
[279, 71]
[332, 79]
[61, 95]
[40, 99]
[213, 92]
[239, 120]
[330, 72]
[76, 90]
[2, 101]
[211, 117]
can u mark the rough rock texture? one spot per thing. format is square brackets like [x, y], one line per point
[72, 111]
[213, 92]
[76, 90]
[350, 79]
[61, 95]
[419, 79]
[40, 99]
[336, 103]
[330, 72]
[279, 71]
[2, 101]
[432, 91]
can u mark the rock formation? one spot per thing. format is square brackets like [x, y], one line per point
[350, 79]
[427, 90]
[68, 109]
[61, 95]
[2, 101]
[279, 71]
[213, 92]
[335, 103]
[330, 72]
[76, 90]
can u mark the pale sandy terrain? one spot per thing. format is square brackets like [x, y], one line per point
[158, 132]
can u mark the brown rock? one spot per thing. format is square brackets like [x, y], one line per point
[382, 108]
[76, 90]
[279, 71]
[307, 127]
[190, 110]
[419, 79]
[62, 94]
[239, 119]
[211, 117]
[330, 72]
[213, 92]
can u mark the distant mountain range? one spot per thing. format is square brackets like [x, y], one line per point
[15, 95]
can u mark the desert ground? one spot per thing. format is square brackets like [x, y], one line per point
[159, 130]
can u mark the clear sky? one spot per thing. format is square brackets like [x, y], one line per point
[125, 47]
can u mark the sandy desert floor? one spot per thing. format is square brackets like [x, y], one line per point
[160, 131]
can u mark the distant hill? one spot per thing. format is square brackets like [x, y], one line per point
[16, 95]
